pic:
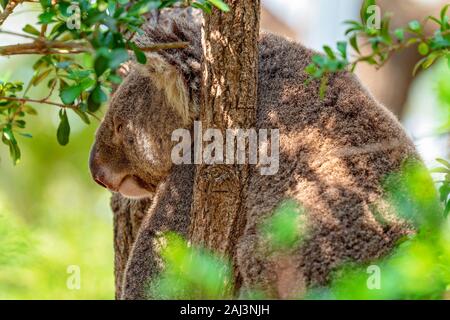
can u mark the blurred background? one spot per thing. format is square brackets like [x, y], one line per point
[52, 216]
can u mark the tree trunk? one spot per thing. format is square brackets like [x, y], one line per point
[128, 215]
[229, 99]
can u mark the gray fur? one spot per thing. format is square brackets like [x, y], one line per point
[334, 154]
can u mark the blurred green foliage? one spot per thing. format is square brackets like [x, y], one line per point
[48, 208]
[418, 268]
[52, 215]
[443, 94]
[444, 189]
[191, 273]
[374, 32]
[283, 229]
[104, 29]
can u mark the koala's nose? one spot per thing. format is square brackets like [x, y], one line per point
[95, 169]
[99, 177]
[100, 182]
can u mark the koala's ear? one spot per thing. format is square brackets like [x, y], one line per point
[176, 71]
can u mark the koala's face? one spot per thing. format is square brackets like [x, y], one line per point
[131, 153]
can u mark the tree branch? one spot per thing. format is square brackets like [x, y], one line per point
[17, 34]
[40, 46]
[45, 101]
[9, 9]
[42, 101]
[43, 47]
[165, 46]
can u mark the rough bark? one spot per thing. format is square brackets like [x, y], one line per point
[229, 98]
[128, 215]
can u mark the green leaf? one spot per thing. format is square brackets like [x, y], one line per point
[64, 64]
[31, 30]
[400, 34]
[439, 170]
[365, 9]
[311, 69]
[92, 105]
[29, 110]
[426, 62]
[9, 139]
[342, 48]
[118, 56]
[444, 162]
[20, 124]
[101, 65]
[114, 78]
[63, 132]
[431, 59]
[444, 12]
[46, 17]
[220, 5]
[83, 116]
[98, 95]
[86, 83]
[415, 26]
[204, 7]
[140, 55]
[329, 52]
[424, 49]
[3, 3]
[354, 43]
[39, 77]
[51, 83]
[26, 135]
[58, 29]
[70, 93]
[46, 3]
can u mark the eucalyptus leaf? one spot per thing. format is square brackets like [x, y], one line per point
[70, 93]
[31, 30]
[220, 5]
[63, 131]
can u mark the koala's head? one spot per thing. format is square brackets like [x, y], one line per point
[132, 149]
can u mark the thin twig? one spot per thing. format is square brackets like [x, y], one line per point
[42, 101]
[43, 47]
[165, 46]
[390, 50]
[17, 34]
[40, 46]
[93, 115]
[8, 10]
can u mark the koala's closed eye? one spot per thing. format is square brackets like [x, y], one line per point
[119, 128]
[117, 125]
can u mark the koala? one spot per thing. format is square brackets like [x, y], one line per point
[335, 152]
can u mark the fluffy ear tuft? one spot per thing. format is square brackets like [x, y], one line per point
[176, 71]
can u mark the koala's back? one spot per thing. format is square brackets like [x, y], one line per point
[334, 154]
